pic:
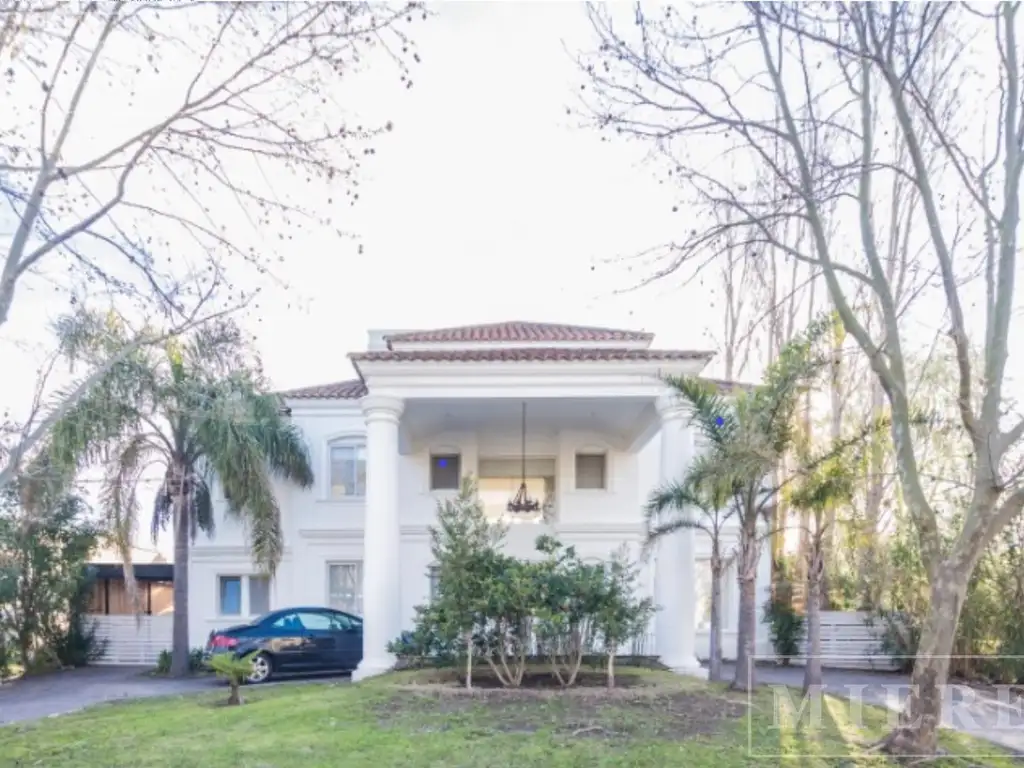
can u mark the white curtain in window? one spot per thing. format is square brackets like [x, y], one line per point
[348, 471]
[345, 587]
[259, 595]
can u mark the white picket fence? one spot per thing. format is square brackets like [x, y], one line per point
[848, 641]
[133, 640]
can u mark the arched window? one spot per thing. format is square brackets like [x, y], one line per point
[347, 468]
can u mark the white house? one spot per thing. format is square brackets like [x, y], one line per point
[601, 430]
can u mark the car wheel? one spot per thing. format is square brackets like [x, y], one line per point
[262, 669]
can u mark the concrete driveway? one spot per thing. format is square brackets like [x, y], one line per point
[63, 692]
[997, 716]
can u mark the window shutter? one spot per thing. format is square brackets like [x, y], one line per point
[590, 471]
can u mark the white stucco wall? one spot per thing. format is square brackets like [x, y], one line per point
[319, 531]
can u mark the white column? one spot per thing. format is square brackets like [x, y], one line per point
[381, 538]
[675, 576]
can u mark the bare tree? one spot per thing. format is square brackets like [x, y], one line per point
[143, 149]
[719, 78]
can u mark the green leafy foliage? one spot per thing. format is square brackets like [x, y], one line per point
[234, 669]
[619, 614]
[571, 593]
[748, 436]
[785, 628]
[989, 635]
[45, 540]
[163, 662]
[196, 661]
[493, 608]
[688, 506]
[197, 409]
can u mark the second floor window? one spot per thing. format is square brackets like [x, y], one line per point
[348, 471]
[445, 472]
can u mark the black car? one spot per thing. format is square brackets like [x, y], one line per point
[294, 640]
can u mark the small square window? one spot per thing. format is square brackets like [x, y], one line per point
[230, 596]
[259, 595]
[445, 472]
[590, 471]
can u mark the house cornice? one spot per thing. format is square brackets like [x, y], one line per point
[446, 379]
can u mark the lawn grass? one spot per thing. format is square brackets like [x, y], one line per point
[416, 719]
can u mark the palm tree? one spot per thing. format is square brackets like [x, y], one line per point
[748, 434]
[819, 493]
[713, 509]
[198, 410]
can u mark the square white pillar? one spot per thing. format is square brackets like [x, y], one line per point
[675, 575]
[381, 537]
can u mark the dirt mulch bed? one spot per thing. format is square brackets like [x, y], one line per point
[533, 680]
[636, 709]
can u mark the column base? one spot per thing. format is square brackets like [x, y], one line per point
[689, 667]
[372, 668]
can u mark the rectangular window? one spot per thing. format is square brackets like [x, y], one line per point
[433, 573]
[348, 471]
[230, 595]
[590, 471]
[259, 595]
[345, 587]
[445, 474]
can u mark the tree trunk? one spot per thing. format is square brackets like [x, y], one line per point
[812, 664]
[179, 641]
[745, 678]
[917, 733]
[715, 634]
[469, 660]
[870, 578]
[804, 555]
[234, 699]
[611, 667]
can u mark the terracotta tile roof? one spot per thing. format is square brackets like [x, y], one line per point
[338, 390]
[528, 354]
[728, 387]
[520, 331]
[353, 389]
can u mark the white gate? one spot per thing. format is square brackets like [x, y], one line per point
[849, 641]
[133, 640]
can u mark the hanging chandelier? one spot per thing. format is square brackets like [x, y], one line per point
[522, 503]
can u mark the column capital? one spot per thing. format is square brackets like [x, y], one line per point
[382, 408]
[671, 407]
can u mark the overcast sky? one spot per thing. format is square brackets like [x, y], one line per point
[487, 202]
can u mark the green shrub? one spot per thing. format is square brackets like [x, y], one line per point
[195, 661]
[235, 670]
[44, 578]
[163, 662]
[493, 608]
[899, 634]
[785, 627]
[74, 643]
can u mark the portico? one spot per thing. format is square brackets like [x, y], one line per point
[418, 405]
